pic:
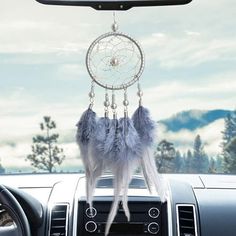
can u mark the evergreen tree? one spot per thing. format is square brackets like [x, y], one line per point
[230, 159]
[45, 153]
[212, 166]
[178, 161]
[200, 161]
[219, 164]
[234, 123]
[229, 134]
[188, 162]
[229, 130]
[165, 155]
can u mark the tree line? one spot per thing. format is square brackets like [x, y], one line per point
[196, 160]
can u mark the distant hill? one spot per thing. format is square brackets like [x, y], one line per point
[193, 119]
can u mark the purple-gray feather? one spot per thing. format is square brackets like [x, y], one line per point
[124, 153]
[99, 138]
[85, 131]
[114, 144]
[86, 127]
[144, 125]
[146, 129]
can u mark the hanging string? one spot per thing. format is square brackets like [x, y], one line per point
[114, 25]
[113, 105]
[125, 103]
[140, 94]
[91, 95]
[106, 104]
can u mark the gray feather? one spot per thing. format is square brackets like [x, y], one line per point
[96, 153]
[146, 129]
[124, 151]
[144, 125]
[85, 131]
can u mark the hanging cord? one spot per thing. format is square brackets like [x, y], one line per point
[113, 105]
[106, 104]
[125, 103]
[140, 94]
[114, 26]
[91, 95]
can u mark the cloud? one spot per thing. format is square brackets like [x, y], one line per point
[77, 70]
[207, 93]
[15, 156]
[187, 49]
[211, 137]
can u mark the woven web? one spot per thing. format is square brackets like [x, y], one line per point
[115, 60]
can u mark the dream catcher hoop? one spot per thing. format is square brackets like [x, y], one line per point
[115, 61]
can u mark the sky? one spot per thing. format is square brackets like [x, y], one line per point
[190, 54]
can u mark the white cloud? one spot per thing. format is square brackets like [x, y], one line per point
[187, 49]
[77, 70]
[208, 93]
[211, 137]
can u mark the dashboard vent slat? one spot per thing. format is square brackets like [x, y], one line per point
[186, 220]
[58, 220]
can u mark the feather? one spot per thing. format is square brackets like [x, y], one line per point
[96, 152]
[146, 127]
[124, 153]
[85, 131]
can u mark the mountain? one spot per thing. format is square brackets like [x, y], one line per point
[193, 119]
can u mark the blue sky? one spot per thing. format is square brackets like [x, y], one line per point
[190, 63]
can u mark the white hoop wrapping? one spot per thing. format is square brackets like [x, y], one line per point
[115, 61]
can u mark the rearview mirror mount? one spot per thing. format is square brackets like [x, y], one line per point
[114, 4]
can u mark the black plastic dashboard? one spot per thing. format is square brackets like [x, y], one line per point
[148, 217]
[196, 205]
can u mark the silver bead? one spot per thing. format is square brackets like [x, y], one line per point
[126, 103]
[114, 62]
[140, 93]
[91, 94]
[113, 106]
[106, 104]
[114, 27]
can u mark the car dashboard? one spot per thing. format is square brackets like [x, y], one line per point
[55, 205]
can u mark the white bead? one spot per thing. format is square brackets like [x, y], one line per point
[125, 102]
[106, 103]
[91, 94]
[113, 106]
[115, 27]
[140, 93]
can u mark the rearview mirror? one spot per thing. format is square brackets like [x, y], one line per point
[114, 4]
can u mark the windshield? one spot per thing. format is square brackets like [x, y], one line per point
[189, 83]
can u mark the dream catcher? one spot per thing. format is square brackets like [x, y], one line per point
[115, 61]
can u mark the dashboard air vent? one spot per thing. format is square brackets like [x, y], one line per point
[186, 220]
[58, 220]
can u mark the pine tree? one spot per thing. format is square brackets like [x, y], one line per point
[229, 130]
[188, 162]
[219, 164]
[200, 161]
[231, 159]
[178, 162]
[165, 155]
[229, 134]
[212, 166]
[234, 123]
[45, 153]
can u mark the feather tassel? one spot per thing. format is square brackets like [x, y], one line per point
[123, 149]
[146, 130]
[85, 131]
[96, 152]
